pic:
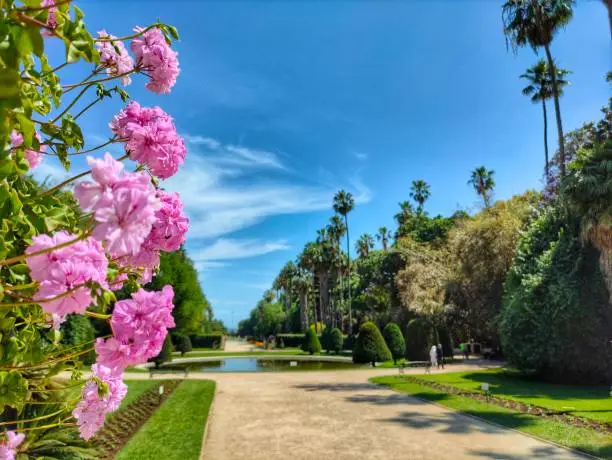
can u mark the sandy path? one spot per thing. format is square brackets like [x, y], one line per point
[338, 415]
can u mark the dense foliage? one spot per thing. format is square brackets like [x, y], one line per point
[165, 354]
[395, 341]
[76, 331]
[207, 340]
[183, 344]
[311, 342]
[370, 346]
[420, 336]
[336, 340]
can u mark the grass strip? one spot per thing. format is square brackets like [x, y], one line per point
[583, 439]
[175, 430]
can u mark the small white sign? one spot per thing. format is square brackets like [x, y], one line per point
[484, 386]
[161, 390]
[293, 363]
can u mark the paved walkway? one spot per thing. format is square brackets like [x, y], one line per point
[339, 416]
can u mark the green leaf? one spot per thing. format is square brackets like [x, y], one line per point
[13, 389]
[9, 83]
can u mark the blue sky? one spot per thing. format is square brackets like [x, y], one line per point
[283, 103]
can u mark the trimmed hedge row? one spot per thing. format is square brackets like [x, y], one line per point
[291, 340]
[215, 341]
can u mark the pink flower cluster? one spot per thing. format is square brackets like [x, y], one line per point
[168, 232]
[157, 58]
[8, 447]
[124, 205]
[115, 57]
[32, 157]
[139, 326]
[51, 15]
[62, 272]
[101, 395]
[151, 138]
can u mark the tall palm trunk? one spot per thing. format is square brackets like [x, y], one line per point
[324, 298]
[348, 254]
[545, 138]
[553, 76]
[303, 310]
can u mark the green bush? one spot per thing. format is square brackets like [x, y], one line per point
[420, 336]
[281, 344]
[78, 330]
[291, 340]
[445, 339]
[165, 355]
[556, 318]
[311, 342]
[335, 340]
[207, 341]
[183, 344]
[370, 346]
[395, 341]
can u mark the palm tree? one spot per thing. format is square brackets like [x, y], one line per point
[343, 204]
[534, 23]
[303, 282]
[406, 211]
[364, 244]
[284, 282]
[419, 192]
[483, 182]
[540, 89]
[383, 236]
[608, 4]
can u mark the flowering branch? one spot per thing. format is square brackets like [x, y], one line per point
[128, 37]
[69, 88]
[40, 8]
[12, 260]
[42, 417]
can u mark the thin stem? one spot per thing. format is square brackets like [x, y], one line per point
[45, 427]
[72, 179]
[39, 8]
[12, 260]
[40, 24]
[51, 361]
[41, 301]
[69, 88]
[28, 420]
[55, 69]
[82, 152]
[74, 101]
[127, 37]
[92, 314]
[20, 287]
[87, 107]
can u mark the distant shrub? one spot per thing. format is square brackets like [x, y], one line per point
[335, 340]
[420, 337]
[291, 340]
[395, 341]
[215, 341]
[165, 355]
[445, 339]
[370, 346]
[183, 344]
[281, 344]
[311, 342]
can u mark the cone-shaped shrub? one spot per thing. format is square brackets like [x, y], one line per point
[311, 342]
[336, 340]
[183, 344]
[370, 346]
[165, 355]
[395, 341]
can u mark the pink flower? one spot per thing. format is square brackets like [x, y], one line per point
[157, 58]
[152, 139]
[8, 447]
[51, 16]
[124, 205]
[139, 328]
[32, 156]
[115, 57]
[145, 262]
[171, 224]
[101, 395]
[61, 273]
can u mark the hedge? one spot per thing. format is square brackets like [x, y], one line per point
[290, 340]
[420, 336]
[216, 341]
[395, 341]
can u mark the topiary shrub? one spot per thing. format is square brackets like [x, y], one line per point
[291, 340]
[370, 346]
[445, 339]
[165, 355]
[77, 330]
[420, 336]
[311, 342]
[281, 344]
[183, 344]
[336, 340]
[395, 341]
[325, 339]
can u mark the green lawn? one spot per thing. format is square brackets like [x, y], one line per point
[175, 430]
[587, 440]
[592, 402]
[136, 388]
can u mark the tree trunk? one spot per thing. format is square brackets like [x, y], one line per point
[608, 4]
[324, 296]
[553, 76]
[545, 139]
[348, 254]
[303, 311]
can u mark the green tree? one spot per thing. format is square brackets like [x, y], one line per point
[370, 346]
[483, 182]
[183, 344]
[540, 89]
[311, 342]
[364, 244]
[420, 193]
[343, 205]
[384, 235]
[165, 355]
[420, 336]
[284, 281]
[336, 340]
[534, 23]
[191, 308]
[395, 341]
[406, 211]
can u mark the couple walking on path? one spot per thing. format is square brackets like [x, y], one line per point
[436, 356]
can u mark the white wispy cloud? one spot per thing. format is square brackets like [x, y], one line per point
[361, 156]
[227, 248]
[201, 140]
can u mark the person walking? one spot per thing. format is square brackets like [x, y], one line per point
[433, 356]
[440, 356]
